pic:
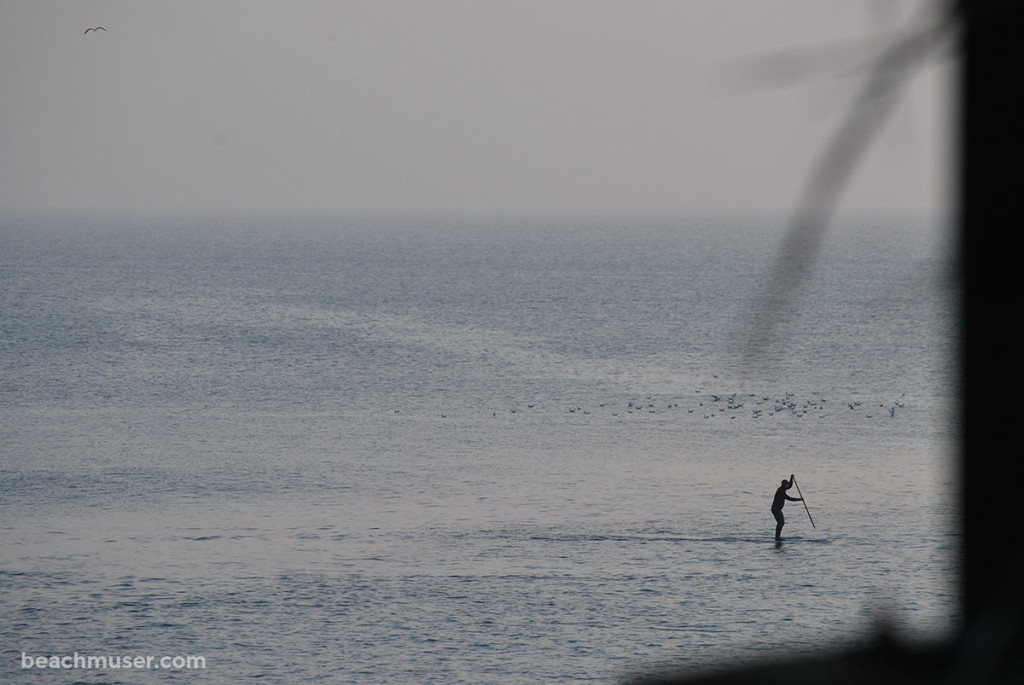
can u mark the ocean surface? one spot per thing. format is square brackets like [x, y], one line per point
[466, 449]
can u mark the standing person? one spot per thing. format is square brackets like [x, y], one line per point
[779, 501]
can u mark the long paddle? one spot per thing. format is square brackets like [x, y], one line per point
[804, 501]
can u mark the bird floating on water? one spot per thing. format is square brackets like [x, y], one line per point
[94, 28]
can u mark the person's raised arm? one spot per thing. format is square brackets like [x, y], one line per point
[792, 479]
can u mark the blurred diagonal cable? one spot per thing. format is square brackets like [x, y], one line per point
[931, 31]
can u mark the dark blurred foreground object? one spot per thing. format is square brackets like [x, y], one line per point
[988, 647]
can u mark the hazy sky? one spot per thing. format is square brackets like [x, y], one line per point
[445, 104]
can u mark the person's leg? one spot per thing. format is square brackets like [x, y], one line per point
[781, 521]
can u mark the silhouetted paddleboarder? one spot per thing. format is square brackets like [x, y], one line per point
[779, 501]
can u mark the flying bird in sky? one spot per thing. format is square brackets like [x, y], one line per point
[94, 28]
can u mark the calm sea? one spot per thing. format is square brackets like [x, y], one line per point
[465, 450]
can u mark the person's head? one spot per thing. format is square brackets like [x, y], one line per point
[785, 484]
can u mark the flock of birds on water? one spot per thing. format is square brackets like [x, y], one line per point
[733, 406]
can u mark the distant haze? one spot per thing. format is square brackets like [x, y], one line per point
[549, 105]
